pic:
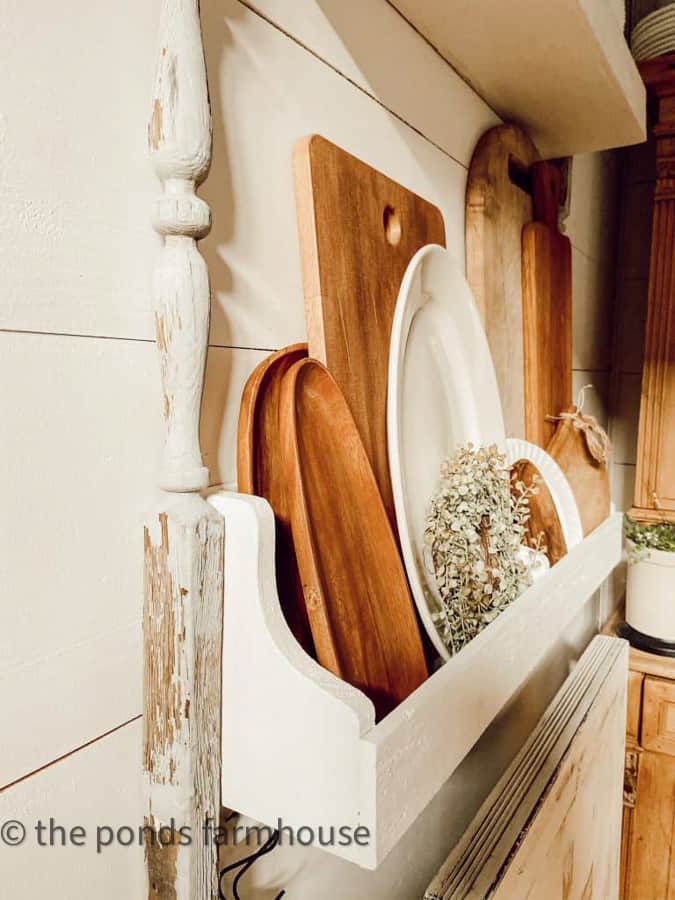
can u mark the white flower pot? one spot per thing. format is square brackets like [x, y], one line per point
[650, 594]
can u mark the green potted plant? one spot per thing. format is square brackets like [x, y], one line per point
[650, 589]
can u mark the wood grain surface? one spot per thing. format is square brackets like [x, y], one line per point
[588, 478]
[498, 206]
[260, 471]
[655, 473]
[359, 605]
[547, 309]
[649, 866]
[571, 846]
[544, 523]
[551, 826]
[358, 230]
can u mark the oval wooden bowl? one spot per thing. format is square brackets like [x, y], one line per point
[260, 472]
[359, 605]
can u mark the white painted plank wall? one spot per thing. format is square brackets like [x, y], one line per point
[100, 786]
[80, 407]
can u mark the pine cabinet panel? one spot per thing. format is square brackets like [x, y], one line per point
[658, 718]
[655, 476]
[651, 862]
[648, 830]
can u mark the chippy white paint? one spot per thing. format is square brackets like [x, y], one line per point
[182, 619]
[338, 767]
[179, 138]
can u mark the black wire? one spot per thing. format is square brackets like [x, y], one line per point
[245, 864]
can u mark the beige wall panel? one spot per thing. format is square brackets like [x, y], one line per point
[75, 184]
[267, 92]
[89, 227]
[82, 433]
[99, 786]
[636, 229]
[625, 424]
[361, 39]
[623, 485]
[595, 400]
[631, 313]
[592, 222]
[592, 297]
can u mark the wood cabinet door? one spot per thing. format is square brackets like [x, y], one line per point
[658, 715]
[650, 872]
[655, 475]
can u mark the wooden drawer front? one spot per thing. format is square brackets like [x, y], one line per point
[634, 705]
[658, 715]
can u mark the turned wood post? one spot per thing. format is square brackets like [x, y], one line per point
[655, 473]
[182, 620]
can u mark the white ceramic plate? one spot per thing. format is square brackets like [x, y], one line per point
[649, 39]
[442, 392]
[653, 52]
[642, 56]
[654, 20]
[655, 45]
[558, 485]
[655, 37]
[660, 30]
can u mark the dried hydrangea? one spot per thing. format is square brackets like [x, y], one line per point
[474, 530]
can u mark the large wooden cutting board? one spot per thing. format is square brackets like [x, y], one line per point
[498, 206]
[547, 308]
[588, 478]
[357, 597]
[358, 230]
[260, 471]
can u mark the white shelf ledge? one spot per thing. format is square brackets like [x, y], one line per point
[302, 746]
[560, 68]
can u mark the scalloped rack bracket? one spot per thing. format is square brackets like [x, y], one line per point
[303, 747]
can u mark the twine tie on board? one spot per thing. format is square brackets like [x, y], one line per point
[597, 440]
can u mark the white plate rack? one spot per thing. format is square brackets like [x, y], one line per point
[302, 747]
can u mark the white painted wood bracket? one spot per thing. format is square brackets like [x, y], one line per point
[303, 747]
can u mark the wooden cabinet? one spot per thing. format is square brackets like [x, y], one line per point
[655, 475]
[648, 839]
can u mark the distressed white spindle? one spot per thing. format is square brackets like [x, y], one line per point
[184, 537]
[179, 137]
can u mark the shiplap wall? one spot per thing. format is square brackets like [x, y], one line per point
[637, 180]
[80, 405]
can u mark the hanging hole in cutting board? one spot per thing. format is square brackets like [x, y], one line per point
[519, 175]
[392, 225]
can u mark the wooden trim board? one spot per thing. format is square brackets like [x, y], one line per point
[498, 207]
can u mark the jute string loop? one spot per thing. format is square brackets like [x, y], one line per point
[597, 441]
